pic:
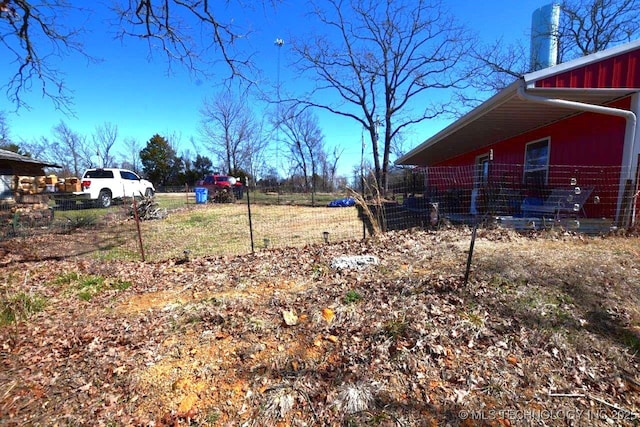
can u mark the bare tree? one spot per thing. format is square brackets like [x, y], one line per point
[231, 131]
[104, 138]
[35, 34]
[382, 59]
[67, 148]
[589, 26]
[329, 165]
[255, 151]
[585, 27]
[131, 157]
[305, 142]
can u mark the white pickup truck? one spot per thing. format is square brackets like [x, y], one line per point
[101, 186]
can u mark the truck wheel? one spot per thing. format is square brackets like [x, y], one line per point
[104, 199]
[148, 192]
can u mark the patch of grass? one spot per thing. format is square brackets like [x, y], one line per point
[81, 221]
[121, 285]
[90, 282]
[86, 287]
[477, 320]
[166, 239]
[212, 416]
[197, 219]
[85, 295]
[20, 305]
[273, 198]
[631, 340]
[352, 297]
[318, 270]
[120, 254]
[89, 286]
[67, 278]
[395, 328]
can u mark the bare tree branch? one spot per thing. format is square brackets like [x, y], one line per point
[195, 33]
[588, 26]
[380, 63]
[585, 27]
[34, 35]
[187, 31]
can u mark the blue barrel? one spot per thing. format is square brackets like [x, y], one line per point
[201, 195]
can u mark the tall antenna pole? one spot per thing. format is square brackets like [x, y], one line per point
[278, 42]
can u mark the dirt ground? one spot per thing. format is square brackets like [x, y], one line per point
[546, 332]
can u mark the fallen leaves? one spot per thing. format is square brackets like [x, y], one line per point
[267, 339]
[187, 403]
[328, 314]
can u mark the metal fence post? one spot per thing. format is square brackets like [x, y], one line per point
[246, 182]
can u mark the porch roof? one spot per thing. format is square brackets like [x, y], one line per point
[506, 115]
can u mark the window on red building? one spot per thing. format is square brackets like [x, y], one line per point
[536, 163]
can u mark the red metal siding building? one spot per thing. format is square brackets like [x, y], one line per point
[581, 114]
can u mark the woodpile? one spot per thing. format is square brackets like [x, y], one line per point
[45, 184]
[29, 205]
[30, 184]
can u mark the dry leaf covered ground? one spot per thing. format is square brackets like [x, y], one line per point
[545, 333]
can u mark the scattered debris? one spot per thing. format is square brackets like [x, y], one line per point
[148, 209]
[290, 318]
[351, 262]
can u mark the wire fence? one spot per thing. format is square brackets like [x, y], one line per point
[178, 228]
[585, 199]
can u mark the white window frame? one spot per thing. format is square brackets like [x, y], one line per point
[479, 178]
[544, 168]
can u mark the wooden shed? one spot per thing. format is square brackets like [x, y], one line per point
[13, 166]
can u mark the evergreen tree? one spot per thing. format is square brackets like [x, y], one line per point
[160, 163]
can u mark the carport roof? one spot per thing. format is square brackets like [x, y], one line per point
[18, 158]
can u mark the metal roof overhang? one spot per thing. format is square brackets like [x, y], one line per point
[15, 158]
[501, 117]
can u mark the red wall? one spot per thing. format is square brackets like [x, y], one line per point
[621, 71]
[585, 140]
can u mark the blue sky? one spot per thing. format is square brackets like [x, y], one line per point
[138, 93]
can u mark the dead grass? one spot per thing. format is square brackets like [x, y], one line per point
[223, 229]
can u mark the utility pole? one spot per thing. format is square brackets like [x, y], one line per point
[279, 43]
